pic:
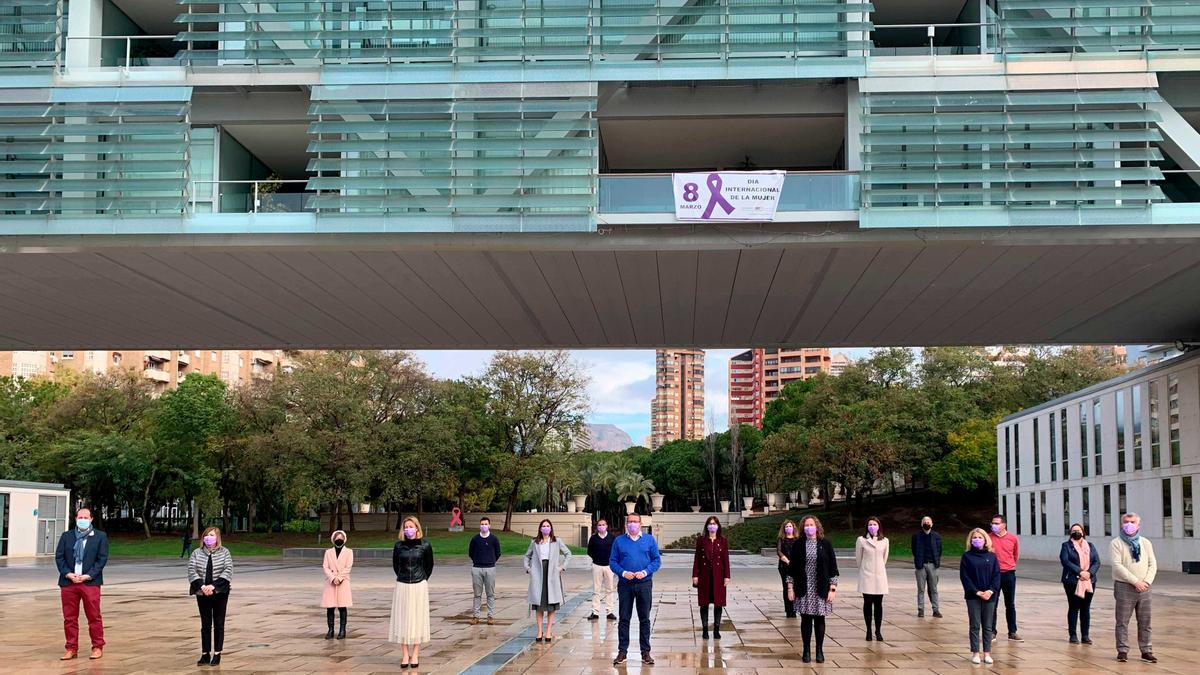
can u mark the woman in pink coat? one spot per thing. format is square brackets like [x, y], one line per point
[338, 561]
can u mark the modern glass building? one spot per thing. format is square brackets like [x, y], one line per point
[325, 119]
[1128, 444]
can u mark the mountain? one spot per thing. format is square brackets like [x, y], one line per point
[608, 438]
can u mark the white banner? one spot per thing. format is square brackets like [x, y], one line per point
[727, 195]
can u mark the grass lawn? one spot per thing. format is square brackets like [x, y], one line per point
[445, 544]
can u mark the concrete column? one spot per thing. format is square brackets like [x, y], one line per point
[85, 18]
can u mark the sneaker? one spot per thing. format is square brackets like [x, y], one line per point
[1148, 657]
[1122, 657]
[920, 614]
[937, 614]
[976, 660]
[988, 660]
[647, 659]
[593, 617]
[620, 658]
[1014, 637]
[611, 616]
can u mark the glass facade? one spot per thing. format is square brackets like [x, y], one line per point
[1098, 436]
[1155, 437]
[1168, 523]
[1173, 417]
[1053, 449]
[1037, 455]
[32, 33]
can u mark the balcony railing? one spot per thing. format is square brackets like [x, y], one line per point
[128, 41]
[251, 196]
[652, 193]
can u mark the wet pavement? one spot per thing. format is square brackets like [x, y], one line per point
[275, 624]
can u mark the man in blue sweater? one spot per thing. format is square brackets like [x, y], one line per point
[484, 550]
[634, 560]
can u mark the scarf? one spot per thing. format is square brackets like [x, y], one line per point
[80, 543]
[1083, 586]
[1134, 543]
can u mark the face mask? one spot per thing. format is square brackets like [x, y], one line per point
[83, 523]
[713, 527]
[634, 528]
[410, 532]
[872, 530]
[995, 529]
[484, 529]
[339, 542]
[1077, 536]
[927, 527]
[210, 540]
[810, 530]
[545, 529]
[977, 543]
[789, 530]
[1129, 529]
[601, 529]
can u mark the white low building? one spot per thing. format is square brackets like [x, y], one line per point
[1128, 444]
[32, 516]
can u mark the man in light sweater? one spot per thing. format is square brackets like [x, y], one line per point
[1133, 570]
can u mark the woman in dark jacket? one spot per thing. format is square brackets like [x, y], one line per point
[710, 573]
[210, 573]
[812, 584]
[789, 534]
[412, 561]
[1080, 562]
[979, 571]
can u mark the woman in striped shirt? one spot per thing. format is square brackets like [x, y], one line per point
[210, 571]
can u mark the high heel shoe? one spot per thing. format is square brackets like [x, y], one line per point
[216, 659]
[205, 659]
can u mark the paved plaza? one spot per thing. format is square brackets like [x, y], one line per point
[275, 625]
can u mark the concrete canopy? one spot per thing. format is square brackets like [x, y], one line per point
[628, 287]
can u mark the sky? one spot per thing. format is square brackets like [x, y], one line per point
[622, 382]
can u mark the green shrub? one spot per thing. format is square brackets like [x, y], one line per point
[262, 528]
[302, 526]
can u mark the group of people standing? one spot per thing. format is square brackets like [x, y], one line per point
[624, 566]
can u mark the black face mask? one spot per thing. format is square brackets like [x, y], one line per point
[339, 542]
[1077, 536]
[927, 527]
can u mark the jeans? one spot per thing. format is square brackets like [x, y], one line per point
[630, 593]
[1008, 589]
[604, 589]
[982, 613]
[212, 621]
[71, 596]
[927, 575]
[789, 607]
[483, 580]
[1079, 610]
[1129, 601]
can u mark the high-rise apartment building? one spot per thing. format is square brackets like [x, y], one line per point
[756, 376]
[677, 409]
[166, 368]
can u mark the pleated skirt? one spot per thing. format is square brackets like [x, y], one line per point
[410, 614]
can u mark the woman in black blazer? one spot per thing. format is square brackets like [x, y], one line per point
[812, 583]
[1079, 581]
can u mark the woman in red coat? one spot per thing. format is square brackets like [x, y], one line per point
[710, 573]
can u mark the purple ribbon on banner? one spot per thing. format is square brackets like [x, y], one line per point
[714, 197]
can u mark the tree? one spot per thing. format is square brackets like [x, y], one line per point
[632, 486]
[677, 468]
[971, 463]
[735, 460]
[531, 395]
[786, 408]
[190, 422]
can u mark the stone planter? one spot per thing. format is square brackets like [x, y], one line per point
[794, 497]
[771, 499]
[629, 507]
[656, 501]
[724, 506]
[571, 506]
[748, 502]
[695, 508]
[580, 502]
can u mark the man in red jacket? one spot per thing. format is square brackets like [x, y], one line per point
[1008, 552]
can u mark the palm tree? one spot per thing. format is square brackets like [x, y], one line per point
[633, 486]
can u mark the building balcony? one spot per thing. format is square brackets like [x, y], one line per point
[804, 196]
[161, 355]
[183, 358]
[156, 375]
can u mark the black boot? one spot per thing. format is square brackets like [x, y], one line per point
[704, 622]
[205, 659]
[717, 623]
[807, 655]
[820, 655]
[329, 621]
[216, 659]
[341, 623]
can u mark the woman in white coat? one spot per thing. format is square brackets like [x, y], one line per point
[545, 559]
[336, 594]
[871, 552]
